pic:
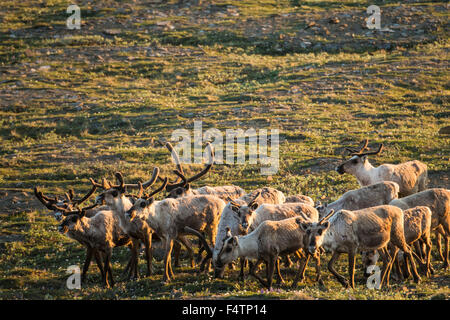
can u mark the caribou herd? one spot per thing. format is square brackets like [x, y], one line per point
[391, 216]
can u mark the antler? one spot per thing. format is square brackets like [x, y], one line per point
[119, 178]
[152, 180]
[42, 196]
[380, 147]
[328, 216]
[185, 180]
[162, 187]
[172, 186]
[141, 190]
[233, 202]
[146, 184]
[51, 203]
[207, 168]
[46, 201]
[360, 152]
[87, 196]
[175, 157]
[361, 149]
[95, 183]
[108, 185]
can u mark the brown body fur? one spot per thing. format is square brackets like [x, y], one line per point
[233, 216]
[169, 217]
[267, 242]
[276, 212]
[362, 230]
[101, 233]
[369, 196]
[267, 195]
[438, 200]
[300, 198]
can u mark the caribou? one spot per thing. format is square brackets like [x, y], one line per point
[411, 176]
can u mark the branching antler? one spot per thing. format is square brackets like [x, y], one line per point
[361, 149]
[86, 196]
[161, 188]
[121, 183]
[185, 180]
[46, 201]
[51, 204]
[328, 216]
[360, 152]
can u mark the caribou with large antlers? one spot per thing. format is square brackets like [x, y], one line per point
[183, 188]
[411, 176]
[100, 233]
[58, 206]
[114, 196]
[169, 217]
[69, 206]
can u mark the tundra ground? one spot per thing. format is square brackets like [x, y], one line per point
[85, 103]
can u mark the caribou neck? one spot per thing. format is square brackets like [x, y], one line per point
[365, 174]
[247, 246]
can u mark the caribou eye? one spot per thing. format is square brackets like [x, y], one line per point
[355, 161]
[308, 231]
[115, 193]
[143, 204]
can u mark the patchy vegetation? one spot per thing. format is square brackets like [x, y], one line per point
[86, 103]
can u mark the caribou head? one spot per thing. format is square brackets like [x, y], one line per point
[314, 232]
[113, 193]
[358, 159]
[60, 206]
[245, 212]
[144, 201]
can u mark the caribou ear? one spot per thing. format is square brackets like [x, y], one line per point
[234, 241]
[254, 206]
[188, 186]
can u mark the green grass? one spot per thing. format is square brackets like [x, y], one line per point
[106, 98]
